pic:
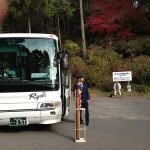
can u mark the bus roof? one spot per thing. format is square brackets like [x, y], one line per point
[28, 35]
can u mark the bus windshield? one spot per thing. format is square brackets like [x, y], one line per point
[28, 64]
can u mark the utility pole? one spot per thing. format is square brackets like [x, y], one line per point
[82, 31]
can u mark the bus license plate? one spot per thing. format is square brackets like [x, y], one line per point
[20, 121]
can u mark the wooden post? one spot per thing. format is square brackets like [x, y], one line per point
[78, 128]
[78, 114]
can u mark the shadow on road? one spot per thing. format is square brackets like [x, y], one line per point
[25, 128]
[63, 129]
[68, 120]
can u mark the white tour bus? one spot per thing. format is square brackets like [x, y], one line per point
[34, 79]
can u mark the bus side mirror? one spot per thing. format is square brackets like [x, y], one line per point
[63, 59]
[64, 62]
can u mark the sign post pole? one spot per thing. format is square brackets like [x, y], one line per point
[77, 122]
[78, 115]
[129, 87]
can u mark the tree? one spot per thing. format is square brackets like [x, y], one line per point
[19, 9]
[63, 10]
[30, 11]
[40, 15]
[112, 18]
[143, 5]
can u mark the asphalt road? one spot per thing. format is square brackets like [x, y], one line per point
[115, 124]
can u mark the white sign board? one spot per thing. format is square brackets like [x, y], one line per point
[122, 76]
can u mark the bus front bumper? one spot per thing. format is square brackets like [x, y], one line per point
[20, 118]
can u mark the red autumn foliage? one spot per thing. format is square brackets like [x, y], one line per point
[110, 17]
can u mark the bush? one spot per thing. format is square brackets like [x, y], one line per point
[101, 62]
[133, 48]
[97, 68]
[141, 88]
[141, 70]
[77, 66]
[72, 48]
[113, 59]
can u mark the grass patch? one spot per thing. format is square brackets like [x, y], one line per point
[94, 92]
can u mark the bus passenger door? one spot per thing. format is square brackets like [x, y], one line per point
[66, 92]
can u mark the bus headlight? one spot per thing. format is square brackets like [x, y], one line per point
[50, 105]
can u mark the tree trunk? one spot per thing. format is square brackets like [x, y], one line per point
[58, 28]
[68, 25]
[29, 24]
[83, 31]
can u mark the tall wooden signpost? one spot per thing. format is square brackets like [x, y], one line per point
[78, 114]
[78, 128]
